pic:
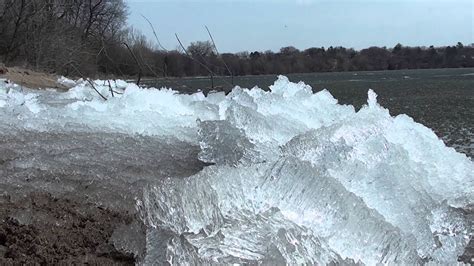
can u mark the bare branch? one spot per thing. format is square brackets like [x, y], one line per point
[218, 54]
[181, 44]
[110, 88]
[138, 63]
[90, 82]
[154, 33]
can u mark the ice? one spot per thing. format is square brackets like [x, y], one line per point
[296, 177]
[66, 82]
[388, 183]
[299, 193]
[223, 143]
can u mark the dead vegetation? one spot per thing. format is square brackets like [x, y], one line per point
[30, 78]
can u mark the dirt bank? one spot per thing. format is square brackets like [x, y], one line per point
[29, 78]
[41, 229]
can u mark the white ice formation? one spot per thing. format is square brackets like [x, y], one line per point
[296, 177]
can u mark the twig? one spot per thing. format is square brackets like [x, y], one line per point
[136, 61]
[197, 61]
[164, 49]
[90, 82]
[181, 44]
[218, 54]
[116, 92]
[154, 33]
[110, 87]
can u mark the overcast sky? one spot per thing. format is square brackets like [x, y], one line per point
[259, 25]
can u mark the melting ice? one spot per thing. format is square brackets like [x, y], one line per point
[296, 178]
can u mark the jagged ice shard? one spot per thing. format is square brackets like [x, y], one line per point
[296, 178]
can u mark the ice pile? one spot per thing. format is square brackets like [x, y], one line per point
[297, 178]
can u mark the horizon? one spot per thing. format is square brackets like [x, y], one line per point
[264, 25]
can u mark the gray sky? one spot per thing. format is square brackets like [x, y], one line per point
[259, 25]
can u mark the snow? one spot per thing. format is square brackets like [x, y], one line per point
[66, 82]
[297, 178]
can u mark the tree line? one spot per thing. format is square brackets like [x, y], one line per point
[91, 37]
[291, 60]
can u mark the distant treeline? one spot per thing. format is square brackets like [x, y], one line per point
[90, 37]
[292, 60]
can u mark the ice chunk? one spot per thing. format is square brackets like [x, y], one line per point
[285, 88]
[222, 143]
[282, 195]
[378, 158]
[66, 82]
[372, 99]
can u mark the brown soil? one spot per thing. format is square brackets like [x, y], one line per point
[29, 78]
[41, 229]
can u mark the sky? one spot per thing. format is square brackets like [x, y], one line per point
[260, 25]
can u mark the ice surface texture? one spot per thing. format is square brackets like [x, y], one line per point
[297, 178]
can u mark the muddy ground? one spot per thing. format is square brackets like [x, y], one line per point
[70, 198]
[41, 229]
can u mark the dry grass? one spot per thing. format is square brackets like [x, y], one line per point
[30, 79]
